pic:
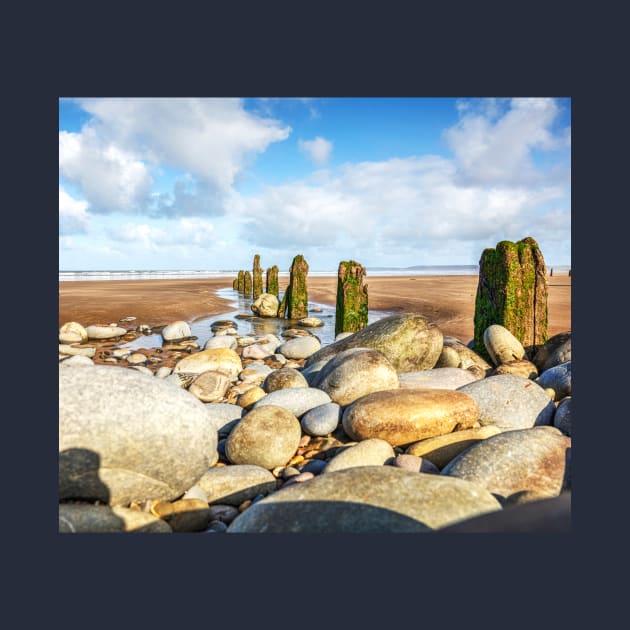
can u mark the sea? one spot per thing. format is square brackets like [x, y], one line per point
[161, 274]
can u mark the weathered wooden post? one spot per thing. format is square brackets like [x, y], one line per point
[512, 292]
[295, 299]
[235, 283]
[352, 298]
[241, 281]
[247, 284]
[257, 280]
[272, 281]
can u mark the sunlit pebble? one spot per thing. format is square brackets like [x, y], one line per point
[305, 440]
[289, 471]
[243, 506]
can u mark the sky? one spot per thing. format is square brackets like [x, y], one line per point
[206, 183]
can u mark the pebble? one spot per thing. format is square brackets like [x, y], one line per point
[300, 347]
[105, 332]
[176, 331]
[510, 402]
[297, 400]
[267, 436]
[502, 345]
[282, 379]
[321, 420]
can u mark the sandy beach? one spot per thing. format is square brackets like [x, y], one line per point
[449, 301]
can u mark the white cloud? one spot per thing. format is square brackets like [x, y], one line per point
[318, 150]
[384, 207]
[73, 217]
[492, 141]
[212, 139]
[110, 178]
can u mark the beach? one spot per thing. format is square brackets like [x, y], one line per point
[448, 301]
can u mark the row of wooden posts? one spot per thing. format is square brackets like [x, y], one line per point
[512, 292]
[352, 300]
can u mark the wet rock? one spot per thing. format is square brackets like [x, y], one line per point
[519, 367]
[105, 332]
[176, 331]
[221, 341]
[266, 305]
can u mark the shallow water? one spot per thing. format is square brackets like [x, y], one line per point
[255, 326]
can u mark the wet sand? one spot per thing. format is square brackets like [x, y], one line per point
[448, 301]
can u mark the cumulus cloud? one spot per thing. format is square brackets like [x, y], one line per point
[318, 150]
[212, 139]
[109, 177]
[493, 141]
[383, 207]
[73, 216]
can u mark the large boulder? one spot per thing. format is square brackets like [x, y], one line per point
[410, 342]
[536, 459]
[265, 305]
[366, 499]
[404, 416]
[124, 437]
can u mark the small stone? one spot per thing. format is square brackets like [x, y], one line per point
[223, 513]
[176, 331]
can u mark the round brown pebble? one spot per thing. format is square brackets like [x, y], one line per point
[243, 506]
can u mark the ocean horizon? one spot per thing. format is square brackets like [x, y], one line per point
[155, 274]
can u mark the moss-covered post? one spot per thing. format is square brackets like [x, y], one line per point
[295, 299]
[512, 292]
[272, 281]
[257, 278]
[352, 298]
[247, 284]
[235, 283]
[241, 281]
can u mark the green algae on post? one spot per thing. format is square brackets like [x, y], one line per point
[512, 292]
[272, 281]
[257, 277]
[352, 298]
[295, 299]
[247, 285]
[241, 281]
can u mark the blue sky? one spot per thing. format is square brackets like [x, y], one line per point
[206, 183]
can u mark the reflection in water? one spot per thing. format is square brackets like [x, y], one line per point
[253, 325]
